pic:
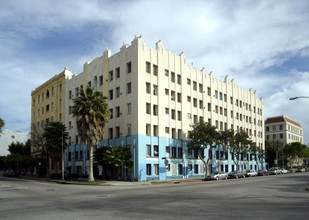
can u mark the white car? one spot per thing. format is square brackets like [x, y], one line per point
[274, 171]
[216, 176]
[284, 171]
[250, 173]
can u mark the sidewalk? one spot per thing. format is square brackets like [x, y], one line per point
[81, 180]
[111, 182]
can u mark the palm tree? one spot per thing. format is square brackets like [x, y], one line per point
[91, 111]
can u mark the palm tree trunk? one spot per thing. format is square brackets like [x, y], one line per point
[90, 176]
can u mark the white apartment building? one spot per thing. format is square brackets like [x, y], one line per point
[154, 97]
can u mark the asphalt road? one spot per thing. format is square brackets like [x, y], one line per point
[269, 197]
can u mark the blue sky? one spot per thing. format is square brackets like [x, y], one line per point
[263, 45]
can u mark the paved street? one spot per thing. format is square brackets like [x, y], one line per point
[269, 197]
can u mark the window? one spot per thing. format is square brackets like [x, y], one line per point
[101, 80]
[195, 169]
[221, 96]
[172, 77]
[166, 73]
[209, 107]
[167, 130]
[155, 130]
[148, 130]
[179, 115]
[173, 133]
[129, 107]
[155, 109]
[147, 67]
[111, 75]
[117, 92]
[155, 70]
[148, 150]
[118, 111]
[195, 119]
[118, 72]
[180, 152]
[173, 114]
[178, 79]
[189, 116]
[216, 94]
[167, 92]
[148, 169]
[129, 88]
[189, 98]
[148, 111]
[174, 152]
[221, 111]
[225, 98]
[200, 87]
[167, 111]
[179, 169]
[208, 91]
[129, 129]
[70, 94]
[111, 94]
[194, 102]
[111, 113]
[110, 133]
[201, 104]
[147, 87]
[194, 85]
[281, 127]
[155, 90]
[179, 97]
[117, 132]
[129, 67]
[188, 81]
[156, 151]
[281, 136]
[156, 169]
[173, 95]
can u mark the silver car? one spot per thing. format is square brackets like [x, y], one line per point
[216, 176]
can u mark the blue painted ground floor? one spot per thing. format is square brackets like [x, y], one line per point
[161, 158]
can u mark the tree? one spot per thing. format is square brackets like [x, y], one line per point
[53, 134]
[201, 136]
[55, 137]
[258, 154]
[239, 146]
[296, 149]
[120, 157]
[91, 111]
[20, 148]
[100, 157]
[1, 124]
[108, 157]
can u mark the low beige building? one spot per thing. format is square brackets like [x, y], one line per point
[283, 129]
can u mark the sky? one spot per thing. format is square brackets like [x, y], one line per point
[263, 45]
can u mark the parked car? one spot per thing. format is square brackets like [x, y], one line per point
[291, 170]
[236, 175]
[10, 173]
[263, 173]
[300, 170]
[274, 171]
[284, 171]
[251, 173]
[216, 176]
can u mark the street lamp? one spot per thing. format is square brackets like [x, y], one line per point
[62, 160]
[299, 97]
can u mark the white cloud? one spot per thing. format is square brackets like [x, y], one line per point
[241, 39]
